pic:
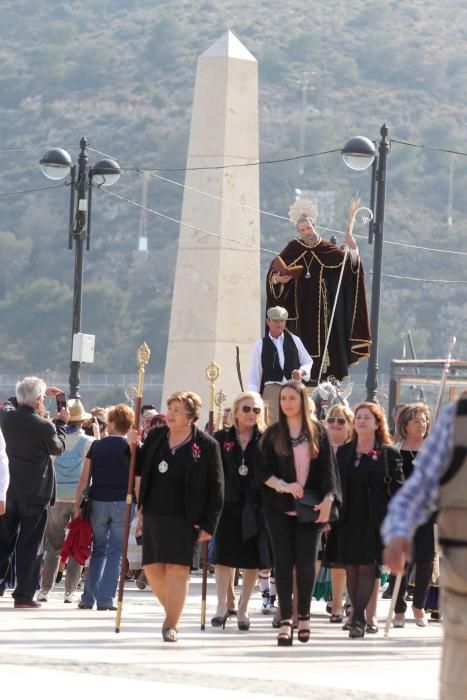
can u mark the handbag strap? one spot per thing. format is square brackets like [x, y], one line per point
[387, 475]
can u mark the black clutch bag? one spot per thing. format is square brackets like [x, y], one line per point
[304, 507]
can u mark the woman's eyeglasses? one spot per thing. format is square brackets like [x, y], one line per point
[335, 419]
[255, 409]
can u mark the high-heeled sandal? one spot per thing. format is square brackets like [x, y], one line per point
[303, 634]
[169, 634]
[243, 625]
[284, 639]
[220, 620]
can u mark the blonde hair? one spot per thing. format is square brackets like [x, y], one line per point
[254, 396]
[339, 409]
[191, 402]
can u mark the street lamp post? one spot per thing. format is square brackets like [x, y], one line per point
[56, 164]
[359, 153]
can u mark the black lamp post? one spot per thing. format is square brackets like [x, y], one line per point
[359, 153]
[56, 164]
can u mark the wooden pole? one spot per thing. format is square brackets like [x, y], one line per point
[212, 374]
[143, 354]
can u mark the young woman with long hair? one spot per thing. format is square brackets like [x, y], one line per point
[295, 457]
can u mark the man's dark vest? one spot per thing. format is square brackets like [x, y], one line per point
[272, 370]
[452, 516]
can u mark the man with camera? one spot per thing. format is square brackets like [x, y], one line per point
[30, 440]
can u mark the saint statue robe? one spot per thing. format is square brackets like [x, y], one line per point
[309, 299]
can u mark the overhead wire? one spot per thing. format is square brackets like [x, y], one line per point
[246, 243]
[35, 189]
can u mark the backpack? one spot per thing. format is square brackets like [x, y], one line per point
[68, 468]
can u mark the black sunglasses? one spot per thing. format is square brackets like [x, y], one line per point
[255, 409]
[335, 419]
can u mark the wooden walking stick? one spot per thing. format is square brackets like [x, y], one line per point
[142, 356]
[212, 374]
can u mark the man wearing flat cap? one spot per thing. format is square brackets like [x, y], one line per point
[277, 358]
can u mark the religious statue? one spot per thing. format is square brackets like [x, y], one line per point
[309, 280]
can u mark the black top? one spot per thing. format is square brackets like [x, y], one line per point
[239, 487]
[377, 493]
[322, 476]
[109, 468]
[408, 457]
[166, 486]
[30, 440]
[204, 480]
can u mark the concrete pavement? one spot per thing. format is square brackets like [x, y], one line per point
[79, 651]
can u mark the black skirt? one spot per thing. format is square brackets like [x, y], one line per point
[234, 548]
[168, 539]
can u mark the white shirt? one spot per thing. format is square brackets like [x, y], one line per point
[4, 469]
[256, 369]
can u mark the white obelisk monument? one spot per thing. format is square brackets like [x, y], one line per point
[216, 302]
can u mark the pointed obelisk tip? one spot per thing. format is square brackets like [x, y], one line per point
[228, 46]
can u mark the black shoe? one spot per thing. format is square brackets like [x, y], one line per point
[303, 634]
[84, 606]
[285, 639]
[220, 620]
[30, 605]
[371, 629]
[106, 607]
[357, 630]
[243, 625]
[387, 595]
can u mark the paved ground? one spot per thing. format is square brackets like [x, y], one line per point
[78, 651]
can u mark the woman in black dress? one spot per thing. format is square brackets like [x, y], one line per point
[370, 471]
[241, 538]
[295, 457]
[412, 427]
[180, 497]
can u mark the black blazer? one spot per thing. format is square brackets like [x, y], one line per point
[379, 493]
[30, 442]
[323, 474]
[204, 479]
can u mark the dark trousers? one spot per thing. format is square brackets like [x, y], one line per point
[21, 531]
[294, 545]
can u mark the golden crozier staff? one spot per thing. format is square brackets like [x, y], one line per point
[142, 356]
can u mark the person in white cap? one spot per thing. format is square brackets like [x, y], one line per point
[277, 358]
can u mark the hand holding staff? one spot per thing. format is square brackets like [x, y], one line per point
[142, 356]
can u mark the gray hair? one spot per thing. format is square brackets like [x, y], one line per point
[29, 391]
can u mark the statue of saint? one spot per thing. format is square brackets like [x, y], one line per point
[304, 280]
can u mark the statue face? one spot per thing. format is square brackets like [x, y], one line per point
[306, 228]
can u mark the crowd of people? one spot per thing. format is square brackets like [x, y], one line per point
[276, 500]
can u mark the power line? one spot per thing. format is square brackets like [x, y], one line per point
[225, 167]
[268, 213]
[420, 279]
[36, 189]
[429, 148]
[252, 245]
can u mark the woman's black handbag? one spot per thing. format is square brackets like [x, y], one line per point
[304, 507]
[85, 503]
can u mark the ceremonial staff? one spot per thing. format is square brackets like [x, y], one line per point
[212, 374]
[397, 582]
[142, 356]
